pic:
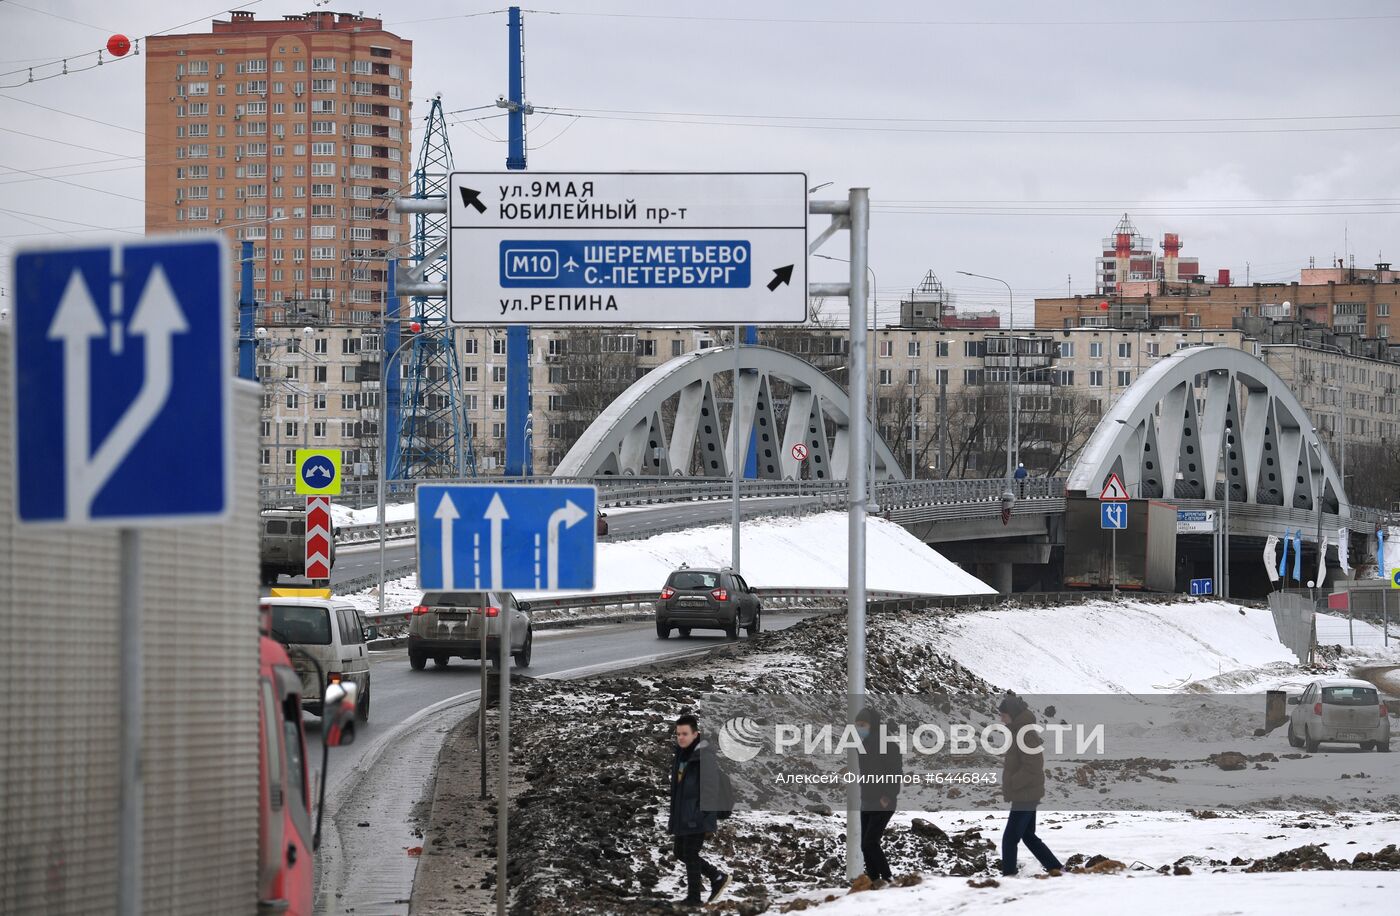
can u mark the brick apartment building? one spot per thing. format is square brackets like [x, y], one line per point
[1334, 298]
[292, 133]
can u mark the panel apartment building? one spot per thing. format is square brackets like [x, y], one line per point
[292, 133]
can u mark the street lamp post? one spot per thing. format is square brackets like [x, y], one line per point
[1010, 378]
[414, 328]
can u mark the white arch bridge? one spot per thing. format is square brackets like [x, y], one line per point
[669, 423]
[1207, 421]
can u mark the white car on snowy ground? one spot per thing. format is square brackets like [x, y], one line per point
[1339, 711]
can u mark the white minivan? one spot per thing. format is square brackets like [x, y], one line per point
[332, 633]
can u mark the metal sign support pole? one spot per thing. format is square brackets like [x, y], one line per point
[503, 779]
[132, 798]
[735, 465]
[481, 709]
[859, 430]
[1113, 564]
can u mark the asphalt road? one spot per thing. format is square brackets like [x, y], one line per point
[376, 783]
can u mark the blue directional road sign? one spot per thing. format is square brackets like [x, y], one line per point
[509, 536]
[1203, 586]
[1113, 515]
[122, 380]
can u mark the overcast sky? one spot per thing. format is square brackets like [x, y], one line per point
[1003, 139]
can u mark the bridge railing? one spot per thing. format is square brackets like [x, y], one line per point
[901, 500]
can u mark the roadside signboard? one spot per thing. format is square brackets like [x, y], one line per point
[474, 537]
[1203, 586]
[1195, 521]
[1114, 491]
[799, 452]
[318, 537]
[627, 248]
[318, 471]
[122, 382]
[1113, 515]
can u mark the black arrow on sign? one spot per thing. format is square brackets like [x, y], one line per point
[781, 275]
[472, 198]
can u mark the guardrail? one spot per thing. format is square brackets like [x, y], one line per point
[790, 596]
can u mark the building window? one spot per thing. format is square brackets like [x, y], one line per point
[1066, 349]
[912, 377]
[886, 348]
[1125, 378]
[1125, 349]
[498, 402]
[1096, 350]
[498, 346]
[677, 348]
[914, 348]
[886, 376]
[498, 374]
[1095, 378]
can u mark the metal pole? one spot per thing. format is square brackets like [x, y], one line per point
[1385, 616]
[871, 501]
[735, 466]
[246, 341]
[855, 609]
[503, 779]
[1225, 530]
[1113, 561]
[913, 468]
[383, 460]
[481, 710]
[131, 806]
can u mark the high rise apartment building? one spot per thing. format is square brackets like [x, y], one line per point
[293, 133]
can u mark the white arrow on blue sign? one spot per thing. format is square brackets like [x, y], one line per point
[122, 379]
[1202, 586]
[1113, 515]
[535, 537]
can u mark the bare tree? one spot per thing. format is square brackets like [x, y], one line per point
[1373, 475]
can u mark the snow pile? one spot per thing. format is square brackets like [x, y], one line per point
[394, 512]
[808, 552]
[1100, 646]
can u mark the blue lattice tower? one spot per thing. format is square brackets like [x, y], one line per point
[432, 441]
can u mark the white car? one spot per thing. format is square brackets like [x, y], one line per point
[325, 639]
[1339, 710]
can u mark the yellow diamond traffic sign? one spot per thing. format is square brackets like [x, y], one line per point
[318, 471]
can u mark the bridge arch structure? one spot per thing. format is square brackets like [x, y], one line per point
[668, 423]
[1207, 418]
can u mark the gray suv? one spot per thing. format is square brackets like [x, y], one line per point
[712, 599]
[444, 625]
[1339, 710]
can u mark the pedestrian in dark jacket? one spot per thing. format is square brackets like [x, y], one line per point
[1023, 784]
[694, 779]
[881, 769]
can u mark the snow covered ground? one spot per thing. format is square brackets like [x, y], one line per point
[809, 551]
[1143, 648]
[1147, 894]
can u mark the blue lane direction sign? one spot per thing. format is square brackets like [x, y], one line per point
[1203, 586]
[627, 247]
[122, 378]
[1113, 515]
[537, 537]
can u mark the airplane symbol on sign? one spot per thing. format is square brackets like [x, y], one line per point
[571, 265]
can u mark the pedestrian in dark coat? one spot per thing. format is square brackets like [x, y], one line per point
[694, 778]
[881, 769]
[1023, 784]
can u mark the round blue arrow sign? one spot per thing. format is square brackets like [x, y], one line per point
[318, 471]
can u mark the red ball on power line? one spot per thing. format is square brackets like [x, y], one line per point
[415, 327]
[1103, 306]
[118, 45]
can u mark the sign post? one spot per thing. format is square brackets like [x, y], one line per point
[627, 248]
[318, 538]
[1113, 514]
[132, 341]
